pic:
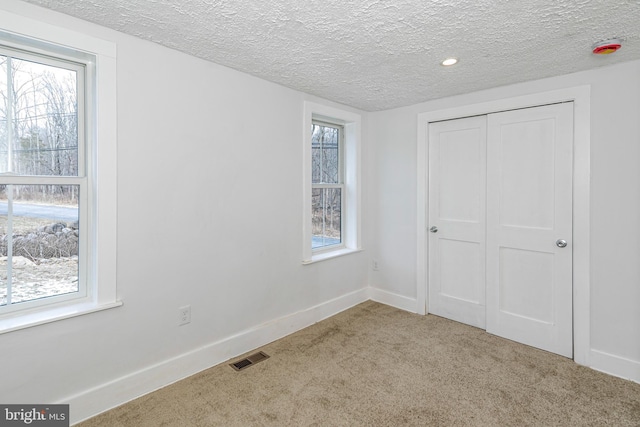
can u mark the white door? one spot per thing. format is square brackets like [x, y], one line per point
[529, 226]
[457, 182]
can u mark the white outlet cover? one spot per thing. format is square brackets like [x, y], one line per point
[184, 315]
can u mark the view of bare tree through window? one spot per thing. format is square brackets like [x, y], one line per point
[39, 227]
[326, 195]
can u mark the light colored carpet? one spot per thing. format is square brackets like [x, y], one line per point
[375, 365]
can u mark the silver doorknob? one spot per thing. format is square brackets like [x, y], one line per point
[561, 243]
[433, 229]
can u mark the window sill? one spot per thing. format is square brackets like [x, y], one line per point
[329, 255]
[22, 321]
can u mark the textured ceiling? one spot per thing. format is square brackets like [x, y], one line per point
[376, 54]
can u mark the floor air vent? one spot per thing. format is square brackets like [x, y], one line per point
[248, 361]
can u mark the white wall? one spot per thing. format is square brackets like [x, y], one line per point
[209, 214]
[615, 203]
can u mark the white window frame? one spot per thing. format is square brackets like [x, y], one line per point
[79, 180]
[99, 215]
[351, 193]
[339, 185]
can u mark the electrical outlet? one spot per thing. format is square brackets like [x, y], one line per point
[374, 265]
[184, 315]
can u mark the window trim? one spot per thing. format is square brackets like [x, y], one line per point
[99, 57]
[351, 223]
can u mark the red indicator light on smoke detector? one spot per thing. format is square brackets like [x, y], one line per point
[606, 47]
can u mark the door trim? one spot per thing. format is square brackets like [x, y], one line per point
[581, 97]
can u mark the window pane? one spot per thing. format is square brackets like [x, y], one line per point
[325, 154]
[39, 240]
[326, 217]
[38, 119]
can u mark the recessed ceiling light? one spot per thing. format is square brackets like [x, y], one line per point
[449, 61]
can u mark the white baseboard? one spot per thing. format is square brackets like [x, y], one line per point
[615, 365]
[124, 389]
[394, 300]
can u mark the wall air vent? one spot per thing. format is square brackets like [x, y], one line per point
[249, 361]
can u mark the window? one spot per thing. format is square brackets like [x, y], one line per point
[57, 148]
[331, 182]
[327, 177]
[42, 179]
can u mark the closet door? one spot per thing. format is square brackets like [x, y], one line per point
[456, 252]
[529, 226]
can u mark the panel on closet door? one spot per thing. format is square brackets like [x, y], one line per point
[527, 173]
[461, 270]
[459, 171]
